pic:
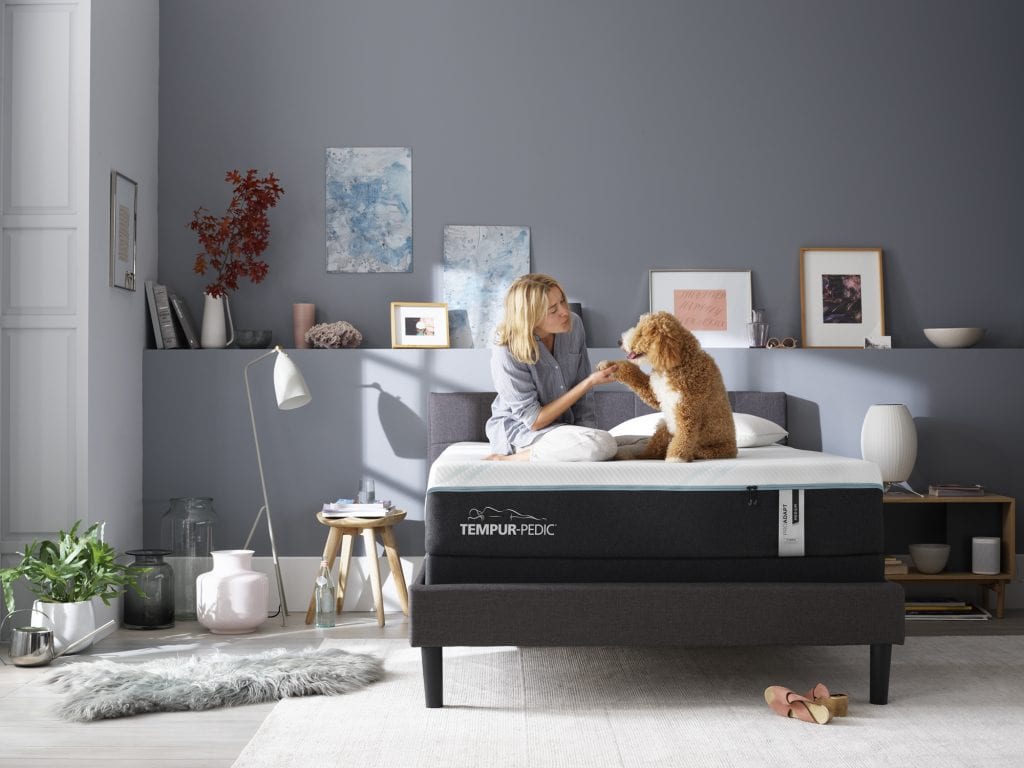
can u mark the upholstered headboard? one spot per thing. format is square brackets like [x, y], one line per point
[454, 417]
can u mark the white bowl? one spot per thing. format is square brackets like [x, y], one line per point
[954, 337]
[929, 558]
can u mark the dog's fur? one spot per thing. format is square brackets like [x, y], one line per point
[685, 385]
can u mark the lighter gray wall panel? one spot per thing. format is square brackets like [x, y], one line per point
[38, 121]
[41, 492]
[38, 276]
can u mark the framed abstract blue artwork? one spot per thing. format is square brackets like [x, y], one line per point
[369, 209]
[478, 266]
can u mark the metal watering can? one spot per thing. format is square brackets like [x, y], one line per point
[33, 646]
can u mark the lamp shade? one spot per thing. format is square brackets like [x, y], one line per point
[289, 386]
[888, 438]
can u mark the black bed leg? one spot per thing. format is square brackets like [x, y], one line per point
[881, 658]
[433, 680]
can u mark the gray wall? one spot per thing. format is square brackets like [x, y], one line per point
[627, 135]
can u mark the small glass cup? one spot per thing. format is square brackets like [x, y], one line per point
[758, 335]
[366, 492]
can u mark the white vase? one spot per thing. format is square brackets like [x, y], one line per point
[888, 438]
[232, 598]
[218, 329]
[70, 622]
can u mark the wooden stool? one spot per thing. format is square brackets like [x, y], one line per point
[342, 534]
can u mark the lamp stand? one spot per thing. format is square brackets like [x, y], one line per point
[265, 509]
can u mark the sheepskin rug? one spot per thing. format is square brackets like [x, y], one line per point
[106, 689]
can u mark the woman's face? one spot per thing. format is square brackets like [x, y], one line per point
[557, 319]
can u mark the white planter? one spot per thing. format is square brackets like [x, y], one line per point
[70, 622]
[232, 598]
[217, 330]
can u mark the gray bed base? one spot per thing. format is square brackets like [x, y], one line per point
[661, 614]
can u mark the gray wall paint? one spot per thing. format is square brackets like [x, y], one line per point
[123, 123]
[627, 135]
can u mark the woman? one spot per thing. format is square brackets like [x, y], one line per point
[544, 410]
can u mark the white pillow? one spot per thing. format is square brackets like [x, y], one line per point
[751, 431]
[643, 426]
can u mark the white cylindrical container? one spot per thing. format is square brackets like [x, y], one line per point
[888, 438]
[232, 598]
[985, 555]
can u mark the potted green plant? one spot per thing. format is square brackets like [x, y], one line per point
[65, 575]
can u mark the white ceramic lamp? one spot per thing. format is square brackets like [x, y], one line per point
[888, 438]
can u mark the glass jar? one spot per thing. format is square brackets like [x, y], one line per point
[187, 529]
[154, 608]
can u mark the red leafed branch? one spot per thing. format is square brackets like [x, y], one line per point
[233, 243]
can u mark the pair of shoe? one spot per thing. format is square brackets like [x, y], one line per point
[816, 706]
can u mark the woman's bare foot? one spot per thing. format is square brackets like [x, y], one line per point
[523, 455]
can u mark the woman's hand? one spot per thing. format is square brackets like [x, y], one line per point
[605, 374]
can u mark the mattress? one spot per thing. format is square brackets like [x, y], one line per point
[773, 513]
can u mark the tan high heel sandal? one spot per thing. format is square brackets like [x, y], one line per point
[838, 703]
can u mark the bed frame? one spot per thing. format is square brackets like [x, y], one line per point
[627, 614]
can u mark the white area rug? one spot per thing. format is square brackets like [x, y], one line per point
[954, 701]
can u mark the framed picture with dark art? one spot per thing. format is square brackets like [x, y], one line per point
[419, 325]
[124, 195]
[841, 301]
[713, 304]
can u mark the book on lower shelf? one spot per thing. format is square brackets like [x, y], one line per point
[955, 489]
[945, 609]
[351, 508]
[184, 317]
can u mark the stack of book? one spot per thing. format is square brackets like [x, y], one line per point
[945, 608]
[352, 508]
[955, 489]
[894, 566]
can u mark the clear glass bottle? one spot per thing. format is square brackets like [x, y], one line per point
[324, 598]
[154, 608]
[187, 529]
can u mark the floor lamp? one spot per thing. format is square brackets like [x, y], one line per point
[292, 392]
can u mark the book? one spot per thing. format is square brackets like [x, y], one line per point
[955, 489]
[970, 613]
[188, 328]
[158, 341]
[165, 318]
[896, 569]
[350, 508]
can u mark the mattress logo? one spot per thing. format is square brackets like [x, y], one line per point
[505, 522]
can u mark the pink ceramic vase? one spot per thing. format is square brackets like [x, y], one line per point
[232, 598]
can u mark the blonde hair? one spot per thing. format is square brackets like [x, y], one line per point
[526, 304]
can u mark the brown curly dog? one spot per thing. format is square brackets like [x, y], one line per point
[685, 385]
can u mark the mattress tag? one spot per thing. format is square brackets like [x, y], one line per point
[791, 523]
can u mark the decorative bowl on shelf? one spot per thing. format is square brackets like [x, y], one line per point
[929, 558]
[951, 338]
[253, 339]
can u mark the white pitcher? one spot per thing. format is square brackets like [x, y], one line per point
[218, 329]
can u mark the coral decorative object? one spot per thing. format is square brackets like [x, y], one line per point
[232, 598]
[339, 335]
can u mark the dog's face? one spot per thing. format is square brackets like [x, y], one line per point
[660, 338]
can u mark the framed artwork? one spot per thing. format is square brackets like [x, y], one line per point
[478, 266]
[714, 304]
[369, 209]
[419, 325]
[124, 198]
[841, 296]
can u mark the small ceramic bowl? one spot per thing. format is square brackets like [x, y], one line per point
[951, 338]
[929, 558]
[252, 339]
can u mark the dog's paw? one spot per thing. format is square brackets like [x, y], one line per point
[677, 459]
[605, 364]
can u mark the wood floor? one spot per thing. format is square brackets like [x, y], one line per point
[31, 735]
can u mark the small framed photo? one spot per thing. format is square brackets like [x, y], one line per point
[714, 304]
[841, 301]
[878, 342]
[419, 325]
[124, 195]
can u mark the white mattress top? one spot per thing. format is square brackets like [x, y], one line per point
[462, 467]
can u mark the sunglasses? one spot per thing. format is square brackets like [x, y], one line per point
[787, 343]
